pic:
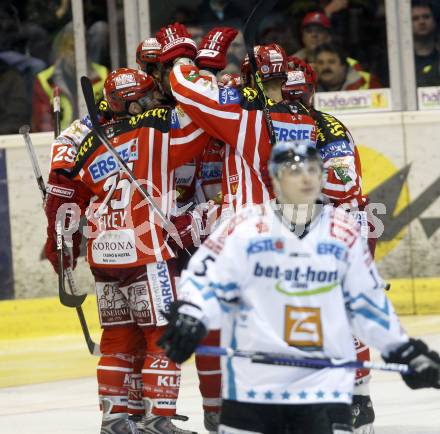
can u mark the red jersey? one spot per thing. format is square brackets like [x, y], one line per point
[124, 230]
[236, 118]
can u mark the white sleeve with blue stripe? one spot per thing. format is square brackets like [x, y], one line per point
[212, 278]
[370, 312]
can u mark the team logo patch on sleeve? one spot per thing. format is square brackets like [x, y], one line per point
[175, 124]
[340, 148]
[228, 95]
[85, 120]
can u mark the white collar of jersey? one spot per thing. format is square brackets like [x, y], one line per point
[300, 230]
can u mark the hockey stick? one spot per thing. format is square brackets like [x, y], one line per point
[289, 360]
[57, 110]
[97, 128]
[61, 246]
[66, 299]
[69, 300]
[261, 9]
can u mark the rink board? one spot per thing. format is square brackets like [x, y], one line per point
[400, 169]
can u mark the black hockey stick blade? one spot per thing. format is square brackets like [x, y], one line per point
[93, 348]
[66, 299]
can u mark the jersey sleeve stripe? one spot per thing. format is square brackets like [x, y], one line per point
[206, 109]
[209, 93]
[188, 138]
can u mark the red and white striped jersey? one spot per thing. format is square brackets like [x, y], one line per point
[341, 161]
[236, 118]
[124, 230]
[65, 146]
[185, 178]
[211, 174]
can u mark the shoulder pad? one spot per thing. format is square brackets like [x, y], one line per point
[87, 147]
[156, 118]
[329, 128]
[249, 99]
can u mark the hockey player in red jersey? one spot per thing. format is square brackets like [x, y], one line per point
[342, 187]
[126, 248]
[243, 167]
[235, 116]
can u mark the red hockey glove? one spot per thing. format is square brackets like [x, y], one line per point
[176, 42]
[61, 190]
[190, 227]
[213, 47]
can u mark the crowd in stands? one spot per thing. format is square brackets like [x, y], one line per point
[344, 40]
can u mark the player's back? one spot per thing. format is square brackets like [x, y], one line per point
[125, 231]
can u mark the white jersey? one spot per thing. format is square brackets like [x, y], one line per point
[306, 296]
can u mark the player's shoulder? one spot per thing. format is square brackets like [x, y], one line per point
[248, 98]
[244, 219]
[158, 118]
[237, 229]
[342, 225]
[329, 127]
[74, 134]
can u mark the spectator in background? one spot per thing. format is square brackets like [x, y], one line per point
[62, 74]
[219, 12]
[315, 31]
[197, 33]
[235, 55]
[426, 52]
[274, 28]
[14, 107]
[329, 7]
[12, 50]
[335, 73]
[44, 19]
[183, 15]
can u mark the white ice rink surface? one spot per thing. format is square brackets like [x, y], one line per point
[68, 407]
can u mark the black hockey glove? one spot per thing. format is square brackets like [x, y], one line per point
[184, 332]
[424, 363]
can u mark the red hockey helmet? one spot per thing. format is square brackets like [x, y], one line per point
[296, 88]
[296, 64]
[125, 85]
[148, 51]
[271, 63]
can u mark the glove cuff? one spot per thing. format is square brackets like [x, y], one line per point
[180, 47]
[193, 311]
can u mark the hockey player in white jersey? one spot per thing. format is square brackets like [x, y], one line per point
[291, 277]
